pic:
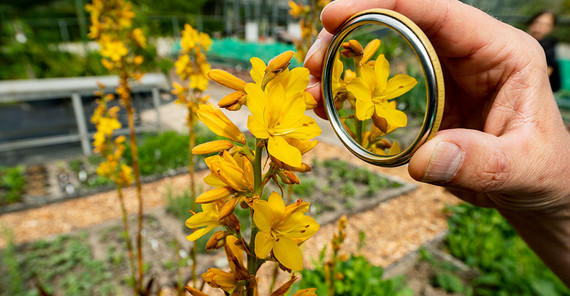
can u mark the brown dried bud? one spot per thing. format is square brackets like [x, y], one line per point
[216, 241]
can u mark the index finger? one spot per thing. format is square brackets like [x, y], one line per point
[456, 29]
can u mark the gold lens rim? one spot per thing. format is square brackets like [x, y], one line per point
[427, 56]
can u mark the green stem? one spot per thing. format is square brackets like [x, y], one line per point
[358, 123]
[358, 132]
[127, 237]
[257, 188]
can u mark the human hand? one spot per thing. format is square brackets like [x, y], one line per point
[502, 142]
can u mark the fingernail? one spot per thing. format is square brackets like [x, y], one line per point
[313, 50]
[444, 163]
[313, 81]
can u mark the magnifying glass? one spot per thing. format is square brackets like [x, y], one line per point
[383, 87]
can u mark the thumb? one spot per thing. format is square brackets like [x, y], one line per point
[464, 159]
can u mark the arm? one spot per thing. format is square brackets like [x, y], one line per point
[503, 143]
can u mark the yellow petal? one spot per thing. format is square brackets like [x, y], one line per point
[288, 253]
[277, 206]
[298, 81]
[399, 85]
[304, 227]
[280, 149]
[393, 116]
[226, 79]
[214, 181]
[211, 147]
[306, 129]
[303, 146]
[257, 70]
[360, 89]
[264, 243]
[198, 233]
[395, 149]
[305, 292]
[364, 109]
[382, 71]
[310, 102]
[263, 215]
[257, 100]
[256, 128]
[219, 123]
[214, 194]
[370, 50]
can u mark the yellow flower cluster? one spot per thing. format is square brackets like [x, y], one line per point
[192, 65]
[371, 94]
[111, 27]
[106, 121]
[277, 102]
[309, 20]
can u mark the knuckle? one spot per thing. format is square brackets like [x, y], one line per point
[494, 174]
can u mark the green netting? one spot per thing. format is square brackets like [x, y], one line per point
[238, 52]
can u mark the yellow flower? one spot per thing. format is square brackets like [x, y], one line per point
[199, 82]
[233, 173]
[219, 123]
[114, 50]
[282, 228]
[207, 219]
[373, 90]
[220, 279]
[139, 38]
[183, 66]
[189, 38]
[205, 41]
[277, 116]
[296, 9]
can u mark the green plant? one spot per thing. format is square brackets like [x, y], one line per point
[180, 205]
[349, 189]
[64, 264]
[355, 276]
[306, 189]
[166, 151]
[12, 184]
[483, 239]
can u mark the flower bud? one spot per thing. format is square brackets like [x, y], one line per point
[370, 50]
[228, 208]
[214, 194]
[216, 241]
[231, 99]
[212, 147]
[226, 79]
[277, 65]
[380, 123]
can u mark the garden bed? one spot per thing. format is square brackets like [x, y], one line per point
[161, 156]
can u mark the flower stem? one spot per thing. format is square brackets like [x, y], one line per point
[192, 143]
[135, 161]
[358, 123]
[127, 237]
[257, 189]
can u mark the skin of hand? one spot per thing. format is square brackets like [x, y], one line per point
[502, 142]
